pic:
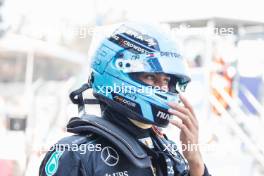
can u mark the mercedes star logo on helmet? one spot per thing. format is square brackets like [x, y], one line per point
[109, 156]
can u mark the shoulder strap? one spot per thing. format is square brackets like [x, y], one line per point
[119, 137]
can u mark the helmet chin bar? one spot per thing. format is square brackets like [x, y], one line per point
[127, 112]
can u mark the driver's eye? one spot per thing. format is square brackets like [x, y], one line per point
[166, 81]
[150, 77]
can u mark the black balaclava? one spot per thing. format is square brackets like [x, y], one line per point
[117, 118]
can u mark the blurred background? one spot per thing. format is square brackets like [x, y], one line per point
[44, 54]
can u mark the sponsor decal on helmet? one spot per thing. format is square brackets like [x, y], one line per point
[139, 37]
[126, 102]
[129, 44]
[170, 54]
[163, 115]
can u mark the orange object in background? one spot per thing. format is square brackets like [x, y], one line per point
[219, 76]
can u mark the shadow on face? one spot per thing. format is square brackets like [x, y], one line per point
[160, 80]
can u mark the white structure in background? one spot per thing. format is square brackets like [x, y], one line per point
[234, 139]
[43, 98]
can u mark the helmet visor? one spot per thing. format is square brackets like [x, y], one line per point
[162, 62]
